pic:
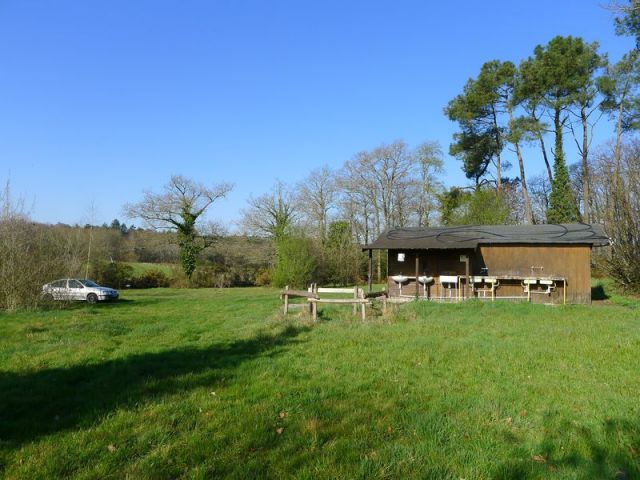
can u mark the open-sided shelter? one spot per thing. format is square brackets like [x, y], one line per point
[537, 263]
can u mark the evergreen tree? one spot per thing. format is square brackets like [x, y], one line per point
[562, 204]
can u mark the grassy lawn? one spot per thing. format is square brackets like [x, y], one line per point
[215, 383]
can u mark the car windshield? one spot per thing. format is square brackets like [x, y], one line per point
[89, 283]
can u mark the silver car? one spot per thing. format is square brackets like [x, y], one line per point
[77, 289]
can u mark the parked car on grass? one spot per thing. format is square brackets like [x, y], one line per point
[78, 289]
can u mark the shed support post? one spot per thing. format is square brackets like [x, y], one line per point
[417, 274]
[370, 278]
[466, 272]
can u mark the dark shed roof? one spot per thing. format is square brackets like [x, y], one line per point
[470, 236]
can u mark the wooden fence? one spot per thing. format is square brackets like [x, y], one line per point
[312, 294]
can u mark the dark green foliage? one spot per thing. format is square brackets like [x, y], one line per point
[450, 200]
[296, 262]
[558, 76]
[629, 22]
[113, 274]
[190, 247]
[620, 86]
[483, 206]
[475, 149]
[562, 203]
[477, 110]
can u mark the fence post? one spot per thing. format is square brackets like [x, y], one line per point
[286, 300]
[355, 296]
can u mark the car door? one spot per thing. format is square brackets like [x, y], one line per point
[58, 289]
[76, 290]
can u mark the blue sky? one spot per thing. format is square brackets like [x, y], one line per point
[100, 100]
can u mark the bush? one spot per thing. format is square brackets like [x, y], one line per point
[296, 263]
[30, 256]
[152, 278]
[344, 261]
[263, 277]
[113, 274]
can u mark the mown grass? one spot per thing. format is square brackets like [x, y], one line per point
[215, 383]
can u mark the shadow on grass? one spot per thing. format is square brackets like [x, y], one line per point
[598, 293]
[608, 451]
[48, 401]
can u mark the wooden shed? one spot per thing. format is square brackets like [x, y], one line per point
[535, 263]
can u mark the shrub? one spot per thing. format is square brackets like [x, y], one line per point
[263, 277]
[152, 278]
[295, 262]
[113, 274]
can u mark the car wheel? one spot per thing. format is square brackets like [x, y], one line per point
[48, 297]
[92, 298]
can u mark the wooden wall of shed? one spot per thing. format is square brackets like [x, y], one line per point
[572, 262]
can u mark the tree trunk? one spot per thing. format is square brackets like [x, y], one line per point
[618, 148]
[498, 159]
[586, 176]
[544, 156]
[528, 211]
[557, 125]
[542, 146]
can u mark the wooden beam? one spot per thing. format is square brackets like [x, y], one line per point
[336, 290]
[298, 293]
[343, 301]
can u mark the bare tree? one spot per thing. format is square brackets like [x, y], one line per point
[429, 163]
[272, 214]
[540, 189]
[391, 185]
[620, 210]
[178, 207]
[317, 195]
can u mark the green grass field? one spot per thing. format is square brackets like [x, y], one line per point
[215, 383]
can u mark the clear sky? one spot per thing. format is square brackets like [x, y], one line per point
[100, 100]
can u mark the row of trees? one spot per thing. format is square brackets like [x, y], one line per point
[339, 210]
[564, 87]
